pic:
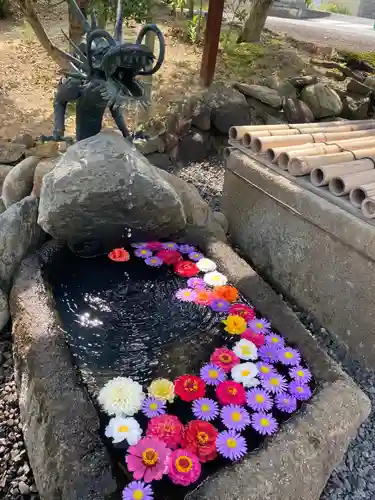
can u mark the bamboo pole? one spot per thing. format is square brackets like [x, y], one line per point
[321, 176]
[368, 207]
[343, 184]
[360, 193]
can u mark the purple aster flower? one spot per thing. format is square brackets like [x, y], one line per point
[286, 403]
[274, 384]
[153, 261]
[302, 392]
[143, 252]
[259, 325]
[274, 339]
[205, 409]
[303, 375]
[195, 256]
[197, 283]
[269, 353]
[235, 417]
[186, 249]
[186, 294]
[137, 490]
[139, 245]
[265, 369]
[153, 407]
[169, 245]
[264, 423]
[289, 356]
[259, 400]
[219, 305]
[212, 374]
[230, 444]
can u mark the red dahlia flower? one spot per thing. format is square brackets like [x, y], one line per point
[200, 439]
[169, 257]
[189, 387]
[256, 338]
[229, 392]
[186, 269]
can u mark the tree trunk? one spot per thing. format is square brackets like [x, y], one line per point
[54, 52]
[255, 22]
[191, 9]
[76, 30]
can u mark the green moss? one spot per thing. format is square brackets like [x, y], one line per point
[240, 58]
[335, 8]
[365, 56]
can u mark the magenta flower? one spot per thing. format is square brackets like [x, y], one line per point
[286, 403]
[137, 490]
[260, 325]
[300, 391]
[205, 409]
[186, 249]
[274, 339]
[186, 295]
[148, 459]
[274, 384]
[235, 417]
[153, 261]
[170, 245]
[230, 444]
[143, 252]
[196, 283]
[259, 400]
[219, 305]
[139, 245]
[154, 245]
[212, 374]
[153, 407]
[184, 467]
[264, 423]
[195, 256]
[303, 375]
[289, 356]
[265, 369]
[269, 353]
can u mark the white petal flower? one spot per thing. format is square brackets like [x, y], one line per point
[120, 429]
[121, 396]
[215, 279]
[245, 374]
[206, 265]
[246, 350]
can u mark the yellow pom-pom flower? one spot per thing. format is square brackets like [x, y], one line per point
[163, 389]
[235, 325]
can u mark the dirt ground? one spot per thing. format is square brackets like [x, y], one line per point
[28, 76]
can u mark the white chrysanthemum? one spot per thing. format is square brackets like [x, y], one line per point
[120, 429]
[215, 279]
[245, 374]
[246, 350]
[206, 265]
[121, 396]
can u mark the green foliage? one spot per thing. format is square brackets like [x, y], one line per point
[335, 8]
[194, 29]
[4, 8]
[309, 3]
[138, 10]
[365, 56]
[240, 57]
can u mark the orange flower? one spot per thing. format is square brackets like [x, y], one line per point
[119, 255]
[226, 292]
[203, 297]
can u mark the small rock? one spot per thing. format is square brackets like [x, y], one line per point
[194, 147]
[4, 310]
[24, 488]
[322, 100]
[19, 181]
[297, 111]
[201, 117]
[45, 150]
[303, 81]
[25, 139]
[160, 160]
[271, 82]
[10, 422]
[370, 82]
[357, 87]
[151, 145]
[263, 94]
[287, 90]
[355, 109]
[41, 170]
[11, 152]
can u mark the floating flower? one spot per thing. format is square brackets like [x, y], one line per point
[269, 353]
[121, 429]
[245, 349]
[153, 261]
[189, 387]
[256, 338]
[219, 305]
[265, 369]
[139, 245]
[286, 403]
[235, 325]
[203, 297]
[121, 396]
[274, 384]
[231, 444]
[186, 269]
[169, 257]
[245, 374]
[154, 245]
[303, 375]
[196, 283]
[224, 358]
[119, 255]
[137, 490]
[184, 467]
[259, 325]
[196, 256]
[148, 459]
[235, 417]
[206, 265]
[143, 252]
[215, 279]
[205, 409]
[170, 245]
[229, 392]
[274, 339]
[289, 356]
[200, 439]
[300, 391]
[243, 310]
[212, 374]
[226, 292]
[163, 389]
[259, 400]
[186, 295]
[186, 249]
[153, 407]
[264, 423]
[167, 428]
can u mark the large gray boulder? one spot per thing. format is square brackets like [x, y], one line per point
[100, 187]
[322, 100]
[263, 94]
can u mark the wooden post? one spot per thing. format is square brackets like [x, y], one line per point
[211, 41]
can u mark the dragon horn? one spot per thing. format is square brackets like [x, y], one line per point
[118, 35]
[79, 15]
[76, 48]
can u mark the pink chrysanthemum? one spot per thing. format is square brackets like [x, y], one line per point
[167, 428]
[148, 459]
[184, 467]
